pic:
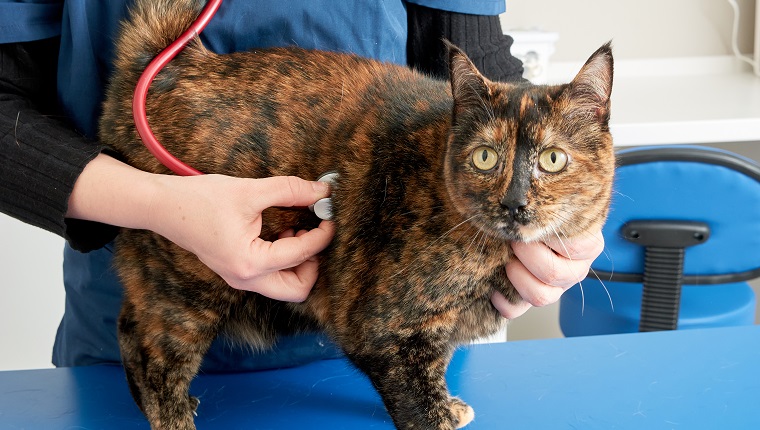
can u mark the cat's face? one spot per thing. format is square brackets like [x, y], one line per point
[529, 162]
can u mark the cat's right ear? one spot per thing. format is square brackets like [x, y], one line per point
[592, 87]
[468, 86]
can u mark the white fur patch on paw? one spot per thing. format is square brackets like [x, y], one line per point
[463, 413]
[466, 417]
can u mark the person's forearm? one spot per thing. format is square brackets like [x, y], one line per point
[216, 217]
[112, 192]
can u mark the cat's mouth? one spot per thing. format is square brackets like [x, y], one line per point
[514, 227]
[511, 227]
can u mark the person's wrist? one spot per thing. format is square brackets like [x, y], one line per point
[160, 205]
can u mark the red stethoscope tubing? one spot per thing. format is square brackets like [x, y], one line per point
[143, 84]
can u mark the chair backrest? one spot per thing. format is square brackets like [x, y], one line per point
[680, 215]
[691, 183]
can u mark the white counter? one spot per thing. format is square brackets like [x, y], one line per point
[680, 101]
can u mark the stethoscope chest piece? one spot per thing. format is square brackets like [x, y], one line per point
[323, 207]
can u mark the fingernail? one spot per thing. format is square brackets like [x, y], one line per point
[321, 187]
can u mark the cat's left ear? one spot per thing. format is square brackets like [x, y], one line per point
[592, 87]
[468, 86]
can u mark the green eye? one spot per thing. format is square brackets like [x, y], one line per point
[552, 160]
[484, 158]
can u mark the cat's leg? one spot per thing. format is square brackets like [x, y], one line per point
[161, 356]
[410, 377]
[462, 412]
[130, 356]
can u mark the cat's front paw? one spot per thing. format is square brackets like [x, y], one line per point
[194, 403]
[461, 412]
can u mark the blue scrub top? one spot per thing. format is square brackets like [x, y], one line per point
[371, 28]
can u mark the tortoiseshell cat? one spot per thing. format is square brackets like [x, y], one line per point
[431, 191]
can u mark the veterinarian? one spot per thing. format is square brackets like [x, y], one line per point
[55, 58]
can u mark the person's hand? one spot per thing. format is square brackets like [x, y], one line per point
[218, 218]
[542, 272]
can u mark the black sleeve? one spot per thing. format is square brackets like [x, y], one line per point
[480, 36]
[40, 155]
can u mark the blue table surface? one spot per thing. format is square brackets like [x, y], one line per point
[691, 379]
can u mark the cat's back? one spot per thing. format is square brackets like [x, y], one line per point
[307, 101]
[209, 109]
[344, 82]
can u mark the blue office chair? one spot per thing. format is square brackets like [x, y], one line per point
[681, 240]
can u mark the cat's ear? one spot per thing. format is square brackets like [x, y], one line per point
[468, 86]
[591, 89]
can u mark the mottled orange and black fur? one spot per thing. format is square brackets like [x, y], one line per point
[436, 179]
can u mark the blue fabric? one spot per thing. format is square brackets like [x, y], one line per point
[88, 30]
[26, 20]
[374, 29]
[475, 7]
[87, 333]
[371, 28]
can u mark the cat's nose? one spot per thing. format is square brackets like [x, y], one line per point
[514, 205]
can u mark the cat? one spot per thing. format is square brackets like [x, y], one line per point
[436, 179]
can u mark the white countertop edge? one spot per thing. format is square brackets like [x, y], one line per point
[686, 132]
[564, 71]
[663, 131]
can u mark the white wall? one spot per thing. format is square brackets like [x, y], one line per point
[31, 294]
[638, 28]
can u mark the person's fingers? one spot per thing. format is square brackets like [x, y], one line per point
[584, 247]
[287, 191]
[288, 285]
[506, 309]
[301, 279]
[294, 281]
[547, 266]
[292, 251]
[287, 233]
[533, 290]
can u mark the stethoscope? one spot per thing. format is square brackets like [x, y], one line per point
[150, 73]
[322, 208]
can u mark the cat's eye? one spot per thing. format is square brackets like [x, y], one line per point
[552, 160]
[484, 158]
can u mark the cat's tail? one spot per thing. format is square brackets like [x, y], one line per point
[151, 26]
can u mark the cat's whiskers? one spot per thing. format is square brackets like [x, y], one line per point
[429, 218]
[561, 217]
[606, 290]
[609, 296]
[570, 258]
[614, 191]
[473, 240]
[483, 243]
[481, 237]
[441, 237]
